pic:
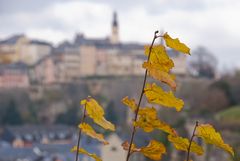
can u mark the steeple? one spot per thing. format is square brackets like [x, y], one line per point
[115, 23]
[114, 37]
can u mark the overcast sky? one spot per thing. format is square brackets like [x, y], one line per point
[214, 24]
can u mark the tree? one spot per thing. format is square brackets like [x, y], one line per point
[71, 116]
[203, 63]
[12, 115]
[224, 86]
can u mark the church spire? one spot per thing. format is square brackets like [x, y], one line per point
[114, 37]
[115, 23]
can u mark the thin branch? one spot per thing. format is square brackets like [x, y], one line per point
[191, 140]
[80, 132]
[140, 99]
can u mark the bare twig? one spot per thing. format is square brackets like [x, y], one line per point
[80, 132]
[191, 140]
[140, 99]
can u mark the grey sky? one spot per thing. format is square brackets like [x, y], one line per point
[211, 23]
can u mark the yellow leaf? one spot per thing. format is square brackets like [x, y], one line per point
[160, 75]
[126, 146]
[210, 136]
[83, 151]
[96, 112]
[183, 144]
[148, 121]
[93, 109]
[87, 129]
[155, 94]
[176, 44]
[154, 150]
[160, 58]
[105, 124]
[130, 103]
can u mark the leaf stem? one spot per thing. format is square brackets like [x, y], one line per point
[140, 99]
[191, 140]
[80, 132]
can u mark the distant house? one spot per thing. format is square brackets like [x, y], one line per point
[77, 62]
[21, 48]
[9, 50]
[43, 71]
[38, 152]
[27, 135]
[38, 142]
[14, 75]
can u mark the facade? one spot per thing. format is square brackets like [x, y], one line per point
[21, 48]
[35, 50]
[14, 76]
[87, 60]
[180, 63]
[43, 71]
[76, 62]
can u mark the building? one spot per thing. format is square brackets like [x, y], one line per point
[28, 135]
[84, 57]
[14, 75]
[21, 48]
[43, 71]
[109, 56]
[114, 39]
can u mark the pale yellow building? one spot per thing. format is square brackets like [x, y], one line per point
[21, 48]
[75, 63]
[88, 60]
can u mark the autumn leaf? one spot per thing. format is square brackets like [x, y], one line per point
[83, 151]
[176, 44]
[96, 112]
[105, 124]
[155, 94]
[210, 136]
[160, 75]
[183, 144]
[148, 121]
[88, 130]
[126, 146]
[159, 58]
[130, 103]
[93, 109]
[153, 150]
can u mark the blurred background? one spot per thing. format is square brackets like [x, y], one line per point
[55, 53]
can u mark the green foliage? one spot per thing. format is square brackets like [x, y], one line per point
[226, 88]
[232, 114]
[12, 115]
[70, 117]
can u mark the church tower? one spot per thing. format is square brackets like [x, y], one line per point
[114, 37]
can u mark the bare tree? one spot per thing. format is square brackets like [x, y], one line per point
[203, 63]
